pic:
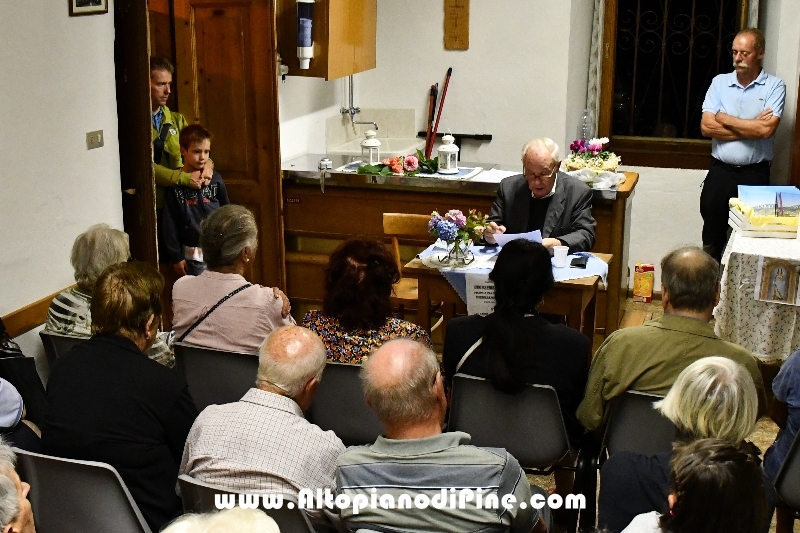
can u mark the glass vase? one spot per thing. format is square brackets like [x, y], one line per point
[458, 253]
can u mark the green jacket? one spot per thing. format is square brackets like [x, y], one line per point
[168, 171]
[649, 358]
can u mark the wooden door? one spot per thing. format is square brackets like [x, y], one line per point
[132, 71]
[227, 80]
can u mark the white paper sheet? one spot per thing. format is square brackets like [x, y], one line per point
[480, 294]
[503, 238]
[493, 175]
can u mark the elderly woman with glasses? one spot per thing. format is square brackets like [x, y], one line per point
[94, 250]
[108, 402]
[219, 308]
[544, 199]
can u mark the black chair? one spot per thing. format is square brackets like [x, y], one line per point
[200, 497]
[70, 496]
[787, 486]
[56, 345]
[635, 426]
[215, 376]
[529, 425]
[340, 406]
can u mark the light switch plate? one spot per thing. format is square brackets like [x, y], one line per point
[94, 139]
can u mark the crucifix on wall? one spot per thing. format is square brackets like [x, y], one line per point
[456, 24]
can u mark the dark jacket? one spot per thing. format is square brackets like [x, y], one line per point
[109, 402]
[569, 215]
[562, 360]
[184, 210]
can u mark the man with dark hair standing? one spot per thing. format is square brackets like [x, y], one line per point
[741, 112]
[649, 358]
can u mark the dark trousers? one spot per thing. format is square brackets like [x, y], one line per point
[721, 184]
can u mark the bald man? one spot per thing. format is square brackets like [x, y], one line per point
[262, 443]
[544, 199]
[403, 385]
[649, 358]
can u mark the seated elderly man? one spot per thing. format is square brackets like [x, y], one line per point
[542, 198]
[262, 443]
[649, 358]
[15, 509]
[416, 461]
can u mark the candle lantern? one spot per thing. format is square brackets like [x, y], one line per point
[448, 155]
[371, 148]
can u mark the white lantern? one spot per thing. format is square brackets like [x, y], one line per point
[371, 148]
[448, 155]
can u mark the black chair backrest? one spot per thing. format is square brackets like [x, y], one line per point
[635, 426]
[200, 497]
[78, 496]
[529, 425]
[340, 406]
[56, 345]
[787, 483]
[215, 376]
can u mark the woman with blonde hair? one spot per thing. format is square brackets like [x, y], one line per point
[714, 397]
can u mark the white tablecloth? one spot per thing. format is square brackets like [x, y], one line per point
[771, 331]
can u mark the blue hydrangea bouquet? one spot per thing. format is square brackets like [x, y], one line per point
[458, 231]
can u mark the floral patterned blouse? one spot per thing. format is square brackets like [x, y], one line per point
[353, 346]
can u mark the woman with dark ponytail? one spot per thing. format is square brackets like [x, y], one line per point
[514, 346]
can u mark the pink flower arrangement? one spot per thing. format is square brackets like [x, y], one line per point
[456, 217]
[454, 225]
[410, 163]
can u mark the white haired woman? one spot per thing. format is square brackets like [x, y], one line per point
[219, 308]
[237, 519]
[93, 251]
[714, 397]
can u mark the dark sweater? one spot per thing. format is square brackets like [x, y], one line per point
[561, 360]
[184, 210]
[109, 402]
[538, 212]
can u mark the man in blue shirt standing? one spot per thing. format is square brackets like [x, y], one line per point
[741, 112]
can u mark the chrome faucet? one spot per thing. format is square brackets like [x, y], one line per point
[352, 110]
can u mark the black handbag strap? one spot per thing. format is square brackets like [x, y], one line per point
[158, 144]
[213, 308]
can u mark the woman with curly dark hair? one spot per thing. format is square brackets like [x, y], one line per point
[356, 314]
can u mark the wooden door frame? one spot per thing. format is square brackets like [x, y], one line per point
[132, 73]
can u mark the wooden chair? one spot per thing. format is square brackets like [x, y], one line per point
[396, 225]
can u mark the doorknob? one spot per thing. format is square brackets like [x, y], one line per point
[129, 191]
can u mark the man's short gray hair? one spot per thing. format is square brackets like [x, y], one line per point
[690, 277]
[225, 233]
[238, 519]
[290, 374]
[412, 399]
[542, 144]
[96, 249]
[714, 397]
[9, 499]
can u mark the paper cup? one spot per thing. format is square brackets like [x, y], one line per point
[560, 256]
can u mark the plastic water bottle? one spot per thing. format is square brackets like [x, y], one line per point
[586, 125]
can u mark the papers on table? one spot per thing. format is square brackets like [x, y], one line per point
[494, 175]
[504, 238]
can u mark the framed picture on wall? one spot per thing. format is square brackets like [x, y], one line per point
[87, 7]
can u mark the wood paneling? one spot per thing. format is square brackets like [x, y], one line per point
[29, 317]
[344, 33]
[225, 59]
[162, 37]
[132, 71]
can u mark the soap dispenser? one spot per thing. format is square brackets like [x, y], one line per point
[371, 148]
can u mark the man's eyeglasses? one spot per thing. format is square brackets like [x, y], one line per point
[542, 177]
[745, 54]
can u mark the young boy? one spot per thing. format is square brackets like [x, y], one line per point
[185, 208]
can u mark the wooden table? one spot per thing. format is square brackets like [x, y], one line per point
[576, 299]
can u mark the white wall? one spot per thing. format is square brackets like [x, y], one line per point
[304, 104]
[665, 214]
[780, 20]
[57, 84]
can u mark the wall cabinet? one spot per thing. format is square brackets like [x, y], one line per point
[344, 37]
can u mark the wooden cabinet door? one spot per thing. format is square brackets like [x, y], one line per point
[227, 81]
